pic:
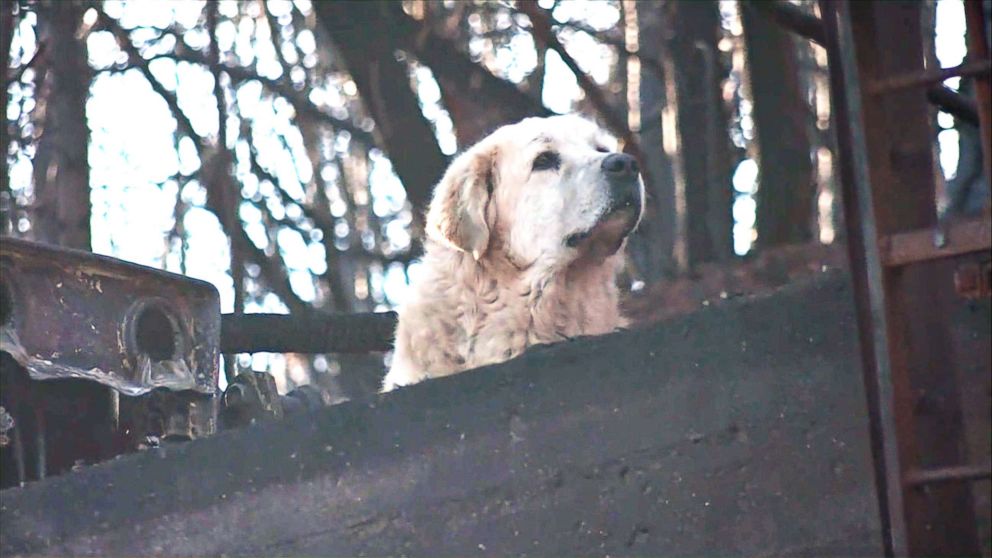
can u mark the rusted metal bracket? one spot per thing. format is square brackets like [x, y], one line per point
[894, 83]
[99, 357]
[793, 19]
[251, 397]
[964, 473]
[71, 314]
[890, 216]
[954, 103]
[955, 239]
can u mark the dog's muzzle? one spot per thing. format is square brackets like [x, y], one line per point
[623, 176]
[624, 210]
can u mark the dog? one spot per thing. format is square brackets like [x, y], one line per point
[524, 239]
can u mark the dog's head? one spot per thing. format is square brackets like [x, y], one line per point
[545, 191]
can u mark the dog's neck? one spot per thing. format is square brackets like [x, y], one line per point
[464, 313]
[574, 301]
[546, 302]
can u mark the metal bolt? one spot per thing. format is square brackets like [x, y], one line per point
[234, 395]
[972, 280]
[939, 237]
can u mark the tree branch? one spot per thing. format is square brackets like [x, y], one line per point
[541, 29]
[238, 75]
[649, 62]
[273, 269]
[367, 40]
[138, 62]
[274, 36]
[467, 77]
[39, 54]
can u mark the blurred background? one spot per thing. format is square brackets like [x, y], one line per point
[284, 150]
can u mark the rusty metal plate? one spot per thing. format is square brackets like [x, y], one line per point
[965, 236]
[72, 314]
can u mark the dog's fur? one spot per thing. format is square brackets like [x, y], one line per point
[518, 253]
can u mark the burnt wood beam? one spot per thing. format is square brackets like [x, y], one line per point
[310, 332]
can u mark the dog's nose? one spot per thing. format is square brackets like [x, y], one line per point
[620, 165]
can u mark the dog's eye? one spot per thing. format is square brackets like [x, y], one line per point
[547, 161]
[602, 149]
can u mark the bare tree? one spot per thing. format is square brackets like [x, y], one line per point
[704, 147]
[7, 22]
[61, 164]
[654, 243]
[787, 190]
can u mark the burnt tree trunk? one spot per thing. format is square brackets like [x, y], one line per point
[652, 244]
[7, 23]
[61, 166]
[704, 145]
[786, 185]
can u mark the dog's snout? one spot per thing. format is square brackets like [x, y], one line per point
[620, 165]
[621, 171]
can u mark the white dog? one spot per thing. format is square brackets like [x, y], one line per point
[524, 238]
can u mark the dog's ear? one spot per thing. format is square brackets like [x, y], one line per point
[457, 215]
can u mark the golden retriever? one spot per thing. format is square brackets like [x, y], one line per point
[524, 238]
